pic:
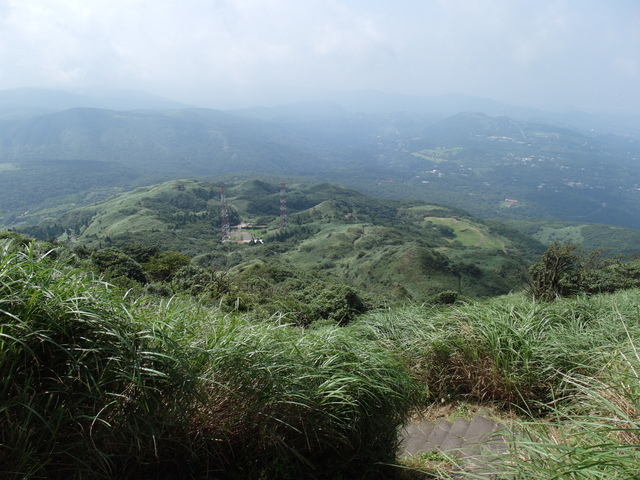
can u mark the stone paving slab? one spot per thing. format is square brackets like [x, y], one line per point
[479, 444]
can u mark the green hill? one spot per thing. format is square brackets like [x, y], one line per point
[610, 239]
[197, 141]
[393, 249]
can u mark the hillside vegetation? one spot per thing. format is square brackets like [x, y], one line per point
[98, 383]
[395, 250]
[139, 341]
[610, 239]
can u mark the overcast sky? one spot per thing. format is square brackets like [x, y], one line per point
[582, 54]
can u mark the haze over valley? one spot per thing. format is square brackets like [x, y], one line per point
[518, 111]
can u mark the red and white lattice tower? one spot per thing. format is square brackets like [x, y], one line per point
[224, 215]
[283, 205]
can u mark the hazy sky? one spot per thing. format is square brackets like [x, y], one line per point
[223, 53]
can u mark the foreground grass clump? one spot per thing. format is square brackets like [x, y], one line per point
[82, 384]
[285, 402]
[572, 367]
[93, 388]
[509, 350]
[594, 436]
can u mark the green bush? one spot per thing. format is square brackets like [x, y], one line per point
[339, 303]
[165, 265]
[566, 270]
[448, 297]
[112, 263]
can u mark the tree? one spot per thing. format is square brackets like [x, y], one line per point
[558, 272]
[113, 264]
[163, 266]
[141, 252]
[337, 302]
[565, 269]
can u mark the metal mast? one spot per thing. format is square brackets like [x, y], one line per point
[283, 205]
[224, 215]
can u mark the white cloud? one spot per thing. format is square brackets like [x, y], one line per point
[530, 51]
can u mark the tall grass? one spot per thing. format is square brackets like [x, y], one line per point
[509, 350]
[594, 436]
[94, 388]
[81, 384]
[285, 402]
[572, 366]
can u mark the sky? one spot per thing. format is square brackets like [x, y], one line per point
[549, 54]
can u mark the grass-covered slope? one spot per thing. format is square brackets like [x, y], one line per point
[96, 388]
[610, 239]
[401, 250]
[99, 385]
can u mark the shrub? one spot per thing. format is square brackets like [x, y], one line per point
[448, 297]
[112, 263]
[165, 265]
[557, 272]
[565, 270]
[340, 303]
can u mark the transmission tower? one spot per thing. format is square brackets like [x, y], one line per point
[283, 205]
[224, 215]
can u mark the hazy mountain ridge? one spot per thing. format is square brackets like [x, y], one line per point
[200, 142]
[491, 166]
[27, 102]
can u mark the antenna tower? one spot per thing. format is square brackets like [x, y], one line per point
[283, 205]
[224, 214]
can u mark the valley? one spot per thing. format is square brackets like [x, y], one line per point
[492, 167]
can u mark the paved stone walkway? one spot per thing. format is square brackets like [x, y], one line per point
[479, 446]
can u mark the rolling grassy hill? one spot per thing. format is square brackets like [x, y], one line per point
[610, 239]
[396, 249]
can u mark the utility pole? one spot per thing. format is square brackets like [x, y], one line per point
[283, 206]
[224, 215]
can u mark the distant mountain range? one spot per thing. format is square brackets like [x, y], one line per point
[28, 102]
[60, 150]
